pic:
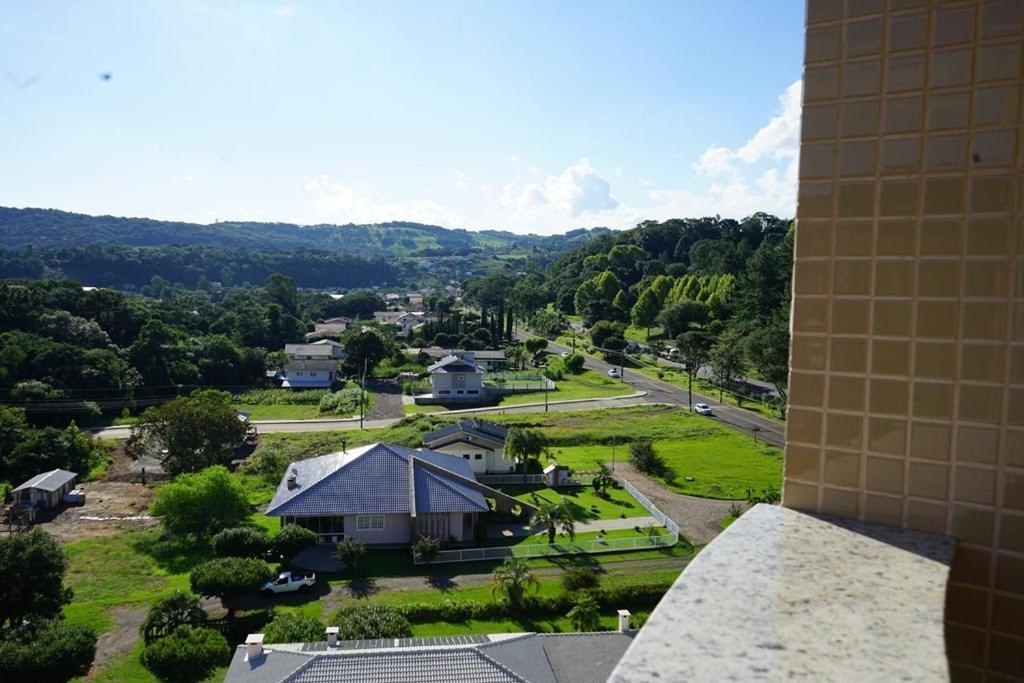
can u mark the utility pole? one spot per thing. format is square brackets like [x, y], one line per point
[362, 394]
[546, 381]
[614, 440]
[573, 330]
[622, 366]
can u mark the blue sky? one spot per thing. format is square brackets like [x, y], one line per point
[526, 116]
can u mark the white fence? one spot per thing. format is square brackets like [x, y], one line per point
[607, 545]
[499, 479]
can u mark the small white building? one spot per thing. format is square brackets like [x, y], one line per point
[405, 321]
[477, 441]
[457, 377]
[312, 366]
[46, 490]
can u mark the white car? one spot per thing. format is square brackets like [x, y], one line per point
[703, 409]
[614, 373]
[289, 582]
[565, 354]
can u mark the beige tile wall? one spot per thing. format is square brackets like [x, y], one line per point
[907, 361]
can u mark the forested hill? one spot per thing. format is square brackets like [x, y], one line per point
[52, 228]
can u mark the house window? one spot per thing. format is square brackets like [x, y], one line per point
[312, 374]
[459, 391]
[461, 378]
[370, 522]
[466, 456]
[444, 391]
[478, 456]
[472, 391]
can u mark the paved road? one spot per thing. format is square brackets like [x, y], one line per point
[769, 431]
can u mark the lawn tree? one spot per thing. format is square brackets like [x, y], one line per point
[177, 609]
[47, 652]
[364, 349]
[646, 309]
[202, 503]
[230, 578]
[513, 578]
[243, 541]
[678, 317]
[552, 517]
[727, 360]
[603, 480]
[292, 540]
[534, 345]
[196, 432]
[768, 351]
[348, 552]
[372, 621]
[187, 654]
[694, 349]
[523, 445]
[32, 568]
[585, 614]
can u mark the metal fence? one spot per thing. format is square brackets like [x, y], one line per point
[499, 479]
[608, 545]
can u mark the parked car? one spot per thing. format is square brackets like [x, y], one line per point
[673, 353]
[76, 497]
[703, 409]
[289, 582]
[614, 373]
[565, 354]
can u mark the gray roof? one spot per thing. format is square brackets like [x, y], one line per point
[375, 478]
[498, 658]
[481, 354]
[481, 429]
[48, 481]
[455, 364]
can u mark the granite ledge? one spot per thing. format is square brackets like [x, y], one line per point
[787, 595]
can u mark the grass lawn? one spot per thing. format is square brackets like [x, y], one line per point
[281, 411]
[413, 409]
[581, 542]
[587, 384]
[584, 504]
[640, 333]
[678, 378]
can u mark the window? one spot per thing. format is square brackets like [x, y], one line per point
[370, 522]
[472, 391]
[461, 378]
[466, 456]
[459, 391]
[478, 456]
[312, 374]
[444, 391]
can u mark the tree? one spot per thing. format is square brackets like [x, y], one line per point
[603, 479]
[573, 363]
[604, 330]
[243, 541]
[645, 459]
[513, 578]
[646, 309]
[580, 578]
[282, 291]
[202, 503]
[694, 347]
[229, 578]
[550, 517]
[535, 345]
[32, 566]
[292, 540]
[177, 609]
[52, 652]
[678, 317]
[371, 621]
[364, 349]
[767, 349]
[523, 445]
[727, 362]
[585, 614]
[188, 654]
[196, 431]
[348, 552]
[293, 628]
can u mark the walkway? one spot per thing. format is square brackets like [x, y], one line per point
[513, 529]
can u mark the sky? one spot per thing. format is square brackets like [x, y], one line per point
[530, 116]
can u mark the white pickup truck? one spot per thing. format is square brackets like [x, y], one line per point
[289, 582]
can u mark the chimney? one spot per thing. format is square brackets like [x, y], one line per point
[623, 620]
[253, 646]
[291, 478]
[332, 636]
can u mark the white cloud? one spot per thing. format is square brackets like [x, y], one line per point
[335, 202]
[284, 11]
[575, 192]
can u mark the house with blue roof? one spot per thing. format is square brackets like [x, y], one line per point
[383, 494]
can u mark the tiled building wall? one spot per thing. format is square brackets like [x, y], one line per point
[907, 360]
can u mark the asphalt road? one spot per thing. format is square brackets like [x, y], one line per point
[765, 429]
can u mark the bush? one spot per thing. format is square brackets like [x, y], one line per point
[585, 615]
[349, 551]
[580, 578]
[293, 628]
[187, 654]
[202, 503]
[426, 548]
[292, 540]
[455, 611]
[573, 363]
[32, 567]
[178, 609]
[54, 653]
[344, 402]
[638, 619]
[371, 621]
[279, 397]
[643, 457]
[244, 541]
[229, 578]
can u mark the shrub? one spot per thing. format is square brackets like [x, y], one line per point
[349, 551]
[229, 578]
[178, 609]
[643, 457]
[293, 628]
[371, 621]
[57, 652]
[32, 568]
[202, 503]
[187, 654]
[344, 402]
[585, 615]
[638, 619]
[292, 540]
[573, 363]
[580, 578]
[244, 541]
[277, 397]
[455, 611]
[426, 548]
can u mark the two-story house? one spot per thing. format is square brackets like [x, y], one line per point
[312, 366]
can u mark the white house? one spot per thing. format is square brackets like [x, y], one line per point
[312, 366]
[457, 377]
[331, 326]
[405, 321]
[46, 490]
[481, 443]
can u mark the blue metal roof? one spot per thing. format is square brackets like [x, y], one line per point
[375, 479]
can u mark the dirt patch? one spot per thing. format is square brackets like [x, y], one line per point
[110, 507]
[119, 639]
[698, 518]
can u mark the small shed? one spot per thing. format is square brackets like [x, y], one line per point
[46, 490]
[556, 475]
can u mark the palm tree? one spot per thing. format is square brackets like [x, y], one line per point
[603, 480]
[553, 516]
[513, 577]
[524, 444]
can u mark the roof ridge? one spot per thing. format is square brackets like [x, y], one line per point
[448, 484]
[499, 665]
[368, 448]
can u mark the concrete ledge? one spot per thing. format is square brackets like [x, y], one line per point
[784, 595]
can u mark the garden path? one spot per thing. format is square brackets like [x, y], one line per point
[513, 529]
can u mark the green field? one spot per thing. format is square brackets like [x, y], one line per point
[278, 412]
[584, 503]
[587, 384]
